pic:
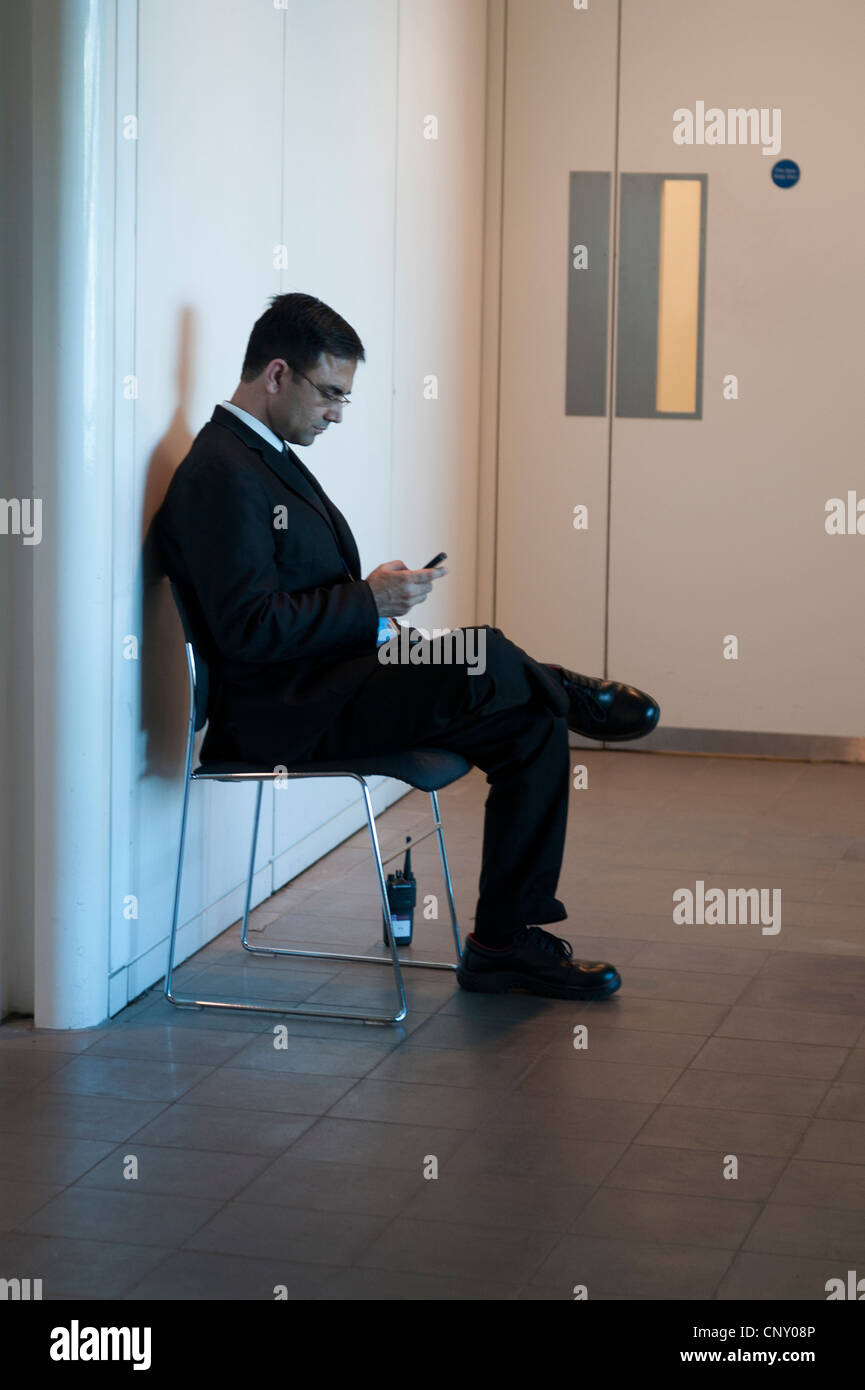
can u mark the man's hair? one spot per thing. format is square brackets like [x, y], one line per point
[298, 328]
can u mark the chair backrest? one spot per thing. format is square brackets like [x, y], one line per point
[196, 661]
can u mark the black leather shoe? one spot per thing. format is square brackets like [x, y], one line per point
[607, 710]
[538, 962]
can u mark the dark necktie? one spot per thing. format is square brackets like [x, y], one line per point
[301, 482]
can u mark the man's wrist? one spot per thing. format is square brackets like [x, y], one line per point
[373, 600]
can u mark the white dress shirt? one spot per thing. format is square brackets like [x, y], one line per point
[256, 425]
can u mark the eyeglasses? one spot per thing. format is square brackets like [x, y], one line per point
[334, 397]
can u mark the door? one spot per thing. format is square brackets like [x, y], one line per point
[711, 565]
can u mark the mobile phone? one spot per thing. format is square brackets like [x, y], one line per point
[435, 561]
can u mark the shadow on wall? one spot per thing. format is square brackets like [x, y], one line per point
[164, 681]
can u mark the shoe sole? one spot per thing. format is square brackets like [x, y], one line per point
[501, 983]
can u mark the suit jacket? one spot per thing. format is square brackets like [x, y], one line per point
[270, 572]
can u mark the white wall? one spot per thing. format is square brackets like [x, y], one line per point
[438, 299]
[258, 128]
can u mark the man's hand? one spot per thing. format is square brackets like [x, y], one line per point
[396, 588]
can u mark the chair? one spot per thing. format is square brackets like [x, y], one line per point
[426, 769]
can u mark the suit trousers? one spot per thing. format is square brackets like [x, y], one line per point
[510, 722]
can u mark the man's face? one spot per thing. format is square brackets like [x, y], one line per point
[299, 411]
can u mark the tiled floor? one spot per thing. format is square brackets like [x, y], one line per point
[604, 1166]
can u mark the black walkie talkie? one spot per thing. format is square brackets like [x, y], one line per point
[401, 896]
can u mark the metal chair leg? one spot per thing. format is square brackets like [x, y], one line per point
[446, 873]
[316, 1011]
[385, 904]
[172, 943]
[352, 957]
[437, 830]
[255, 822]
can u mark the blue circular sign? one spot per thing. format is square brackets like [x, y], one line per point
[785, 173]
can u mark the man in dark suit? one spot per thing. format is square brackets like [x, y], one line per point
[271, 574]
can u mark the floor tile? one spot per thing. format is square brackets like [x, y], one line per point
[554, 1116]
[450, 1107]
[853, 1068]
[18, 1200]
[248, 1089]
[21, 1071]
[284, 1053]
[452, 1067]
[293, 1181]
[125, 1078]
[78, 1269]
[76, 1116]
[500, 1200]
[458, 1250]
[745, 1055]
[175, 1172]
[771, 1095]
[385, 1285]
[253, 984]
[376, 1144]
[19, 1035]
[195, 1276]
[783, 1229]
[753, 1277]
[134, 1218]
[666, 1217]
[695, 1172]
[820, 996]
[723, 1131]
[807, 1183]
[844, 1101]
[158, 1010]
[223, 1129]
[35, 1158]
[583, 1162]
[658, 1015]
[834, 1141]
[791, 1025]
[167, 1043]
[287, 1233]
[685, 986]
[500, 1036]
[626, 1045]
[612, 1269]
[589, 1078]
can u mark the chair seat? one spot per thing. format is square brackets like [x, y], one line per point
[426, 769]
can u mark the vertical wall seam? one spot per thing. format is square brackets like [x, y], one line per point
[394, 270]
[614, 263]
[271, 859]
[112, 509]
[497, 431]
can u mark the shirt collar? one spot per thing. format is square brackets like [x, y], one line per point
[255, 424]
